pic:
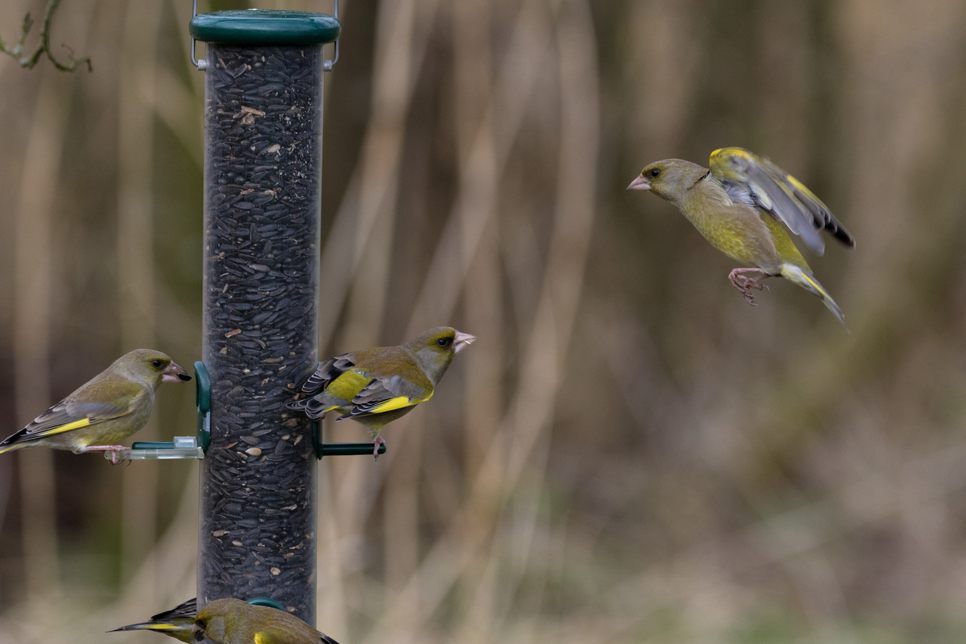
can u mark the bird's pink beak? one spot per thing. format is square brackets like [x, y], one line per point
[639, 183]
[462, 340]
[174, 373]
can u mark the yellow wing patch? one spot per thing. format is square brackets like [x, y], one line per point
[161, 627]
[735, 152]
[393, 404]
[77, 424]
[347, 385]
[262, 638]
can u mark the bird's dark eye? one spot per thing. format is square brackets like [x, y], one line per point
[156, 363]
[444, 342]
[655, 172]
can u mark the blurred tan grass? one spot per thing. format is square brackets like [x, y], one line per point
[629, 453]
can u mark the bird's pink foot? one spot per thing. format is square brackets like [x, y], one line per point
[113, 449]
[376, 442]
[745, 284]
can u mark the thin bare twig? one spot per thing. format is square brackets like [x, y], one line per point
[29, 61]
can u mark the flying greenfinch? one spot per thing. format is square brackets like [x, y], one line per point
[107, 409]
[177, 622]
[742, 205]
[375, 386]
[232, 621]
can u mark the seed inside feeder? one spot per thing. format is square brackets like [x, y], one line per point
[262, 219]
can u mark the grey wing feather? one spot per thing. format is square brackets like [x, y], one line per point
[780, 194]
[379, 391]
[326, 373]
[64, 413]
[774, 194]
[318, 382]
[185, 610]
[67, 412]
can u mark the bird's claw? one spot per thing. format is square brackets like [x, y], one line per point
[113, 449]
[745, 284]
[376, 442]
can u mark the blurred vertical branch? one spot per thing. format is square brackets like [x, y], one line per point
[33, 277]
[394, 78]
[135, 248]
[366, 223]
[28, 61]
[472, 536]
[34, 270]
[474, 90]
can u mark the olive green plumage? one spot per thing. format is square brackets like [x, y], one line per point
[742, 205]
[106, 410]
[375, 386]
[232, 621]
[177, 623]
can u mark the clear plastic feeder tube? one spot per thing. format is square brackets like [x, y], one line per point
[263, 125]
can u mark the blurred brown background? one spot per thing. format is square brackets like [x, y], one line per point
[630, 452]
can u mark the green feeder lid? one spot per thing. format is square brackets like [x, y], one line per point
[265, 27]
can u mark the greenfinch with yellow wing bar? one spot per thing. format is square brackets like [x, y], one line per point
[232, 621]
[742, 205]
[109, 408]
[375, 386]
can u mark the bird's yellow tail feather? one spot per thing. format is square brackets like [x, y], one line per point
[808, 282]
[10, 447]
[159, 627]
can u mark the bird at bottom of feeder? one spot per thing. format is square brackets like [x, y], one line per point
[232, 621]
[375, 386]
[742, 206]
[177, 622]
[109, 408]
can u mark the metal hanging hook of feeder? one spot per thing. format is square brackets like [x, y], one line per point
[202, 65]
[327, 64]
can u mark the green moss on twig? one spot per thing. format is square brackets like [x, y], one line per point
[28, 61]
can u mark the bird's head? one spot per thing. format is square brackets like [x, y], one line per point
[669, 179]
[435, 349]
[151, 367]
[215, 621]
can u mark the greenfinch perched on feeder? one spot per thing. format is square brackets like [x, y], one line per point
[375, 386]
[232, 621]
[740, 205]
[107, 409]
[177, 622]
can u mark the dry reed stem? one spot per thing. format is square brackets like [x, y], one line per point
[474, 88]
[531, 409]
[33, 278]
[135, 252]
[400, 48]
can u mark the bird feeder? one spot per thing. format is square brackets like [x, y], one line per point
[262, 214]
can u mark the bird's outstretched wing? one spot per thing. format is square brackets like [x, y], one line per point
[759, 182]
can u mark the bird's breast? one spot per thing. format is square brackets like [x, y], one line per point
[733, 228]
